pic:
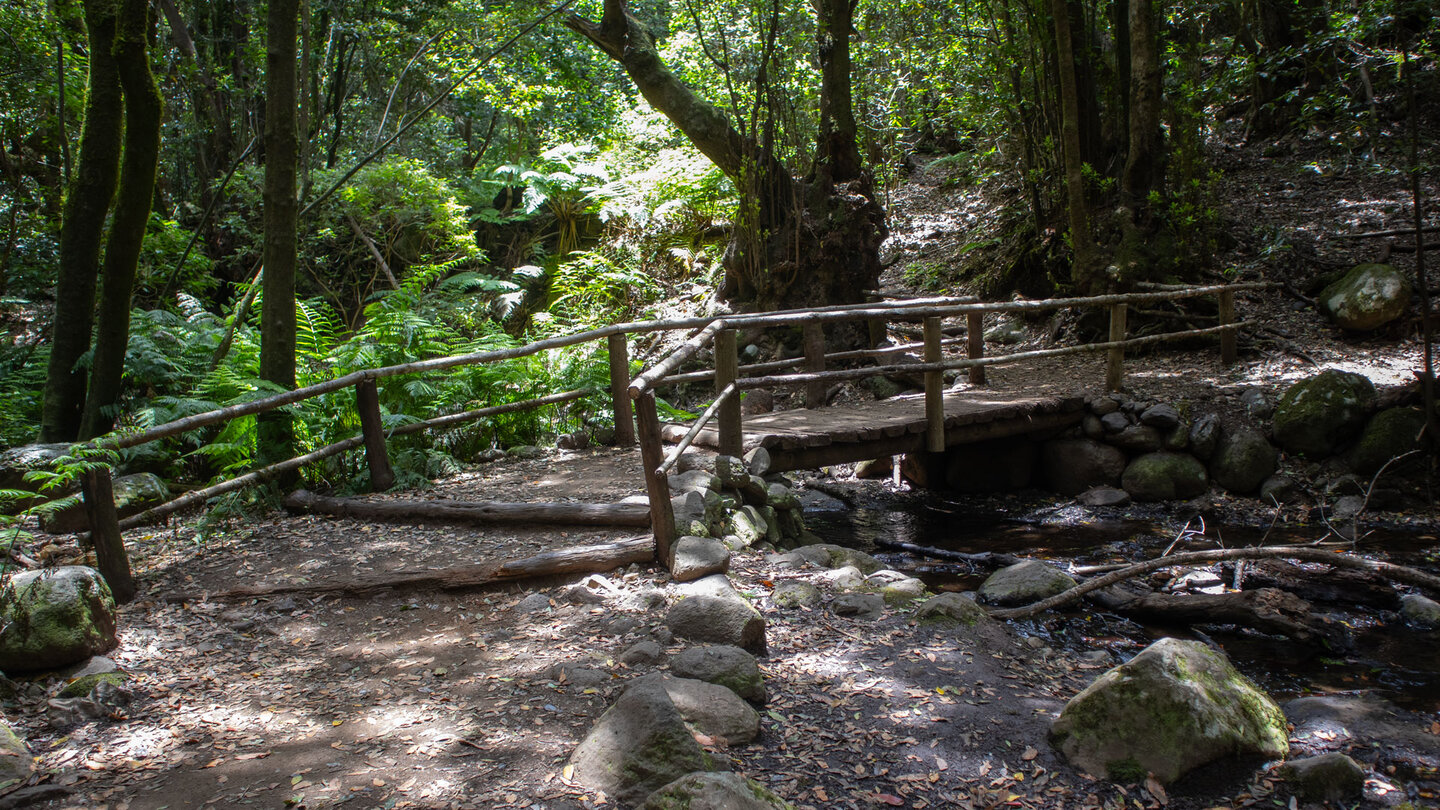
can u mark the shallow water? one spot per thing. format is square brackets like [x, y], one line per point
[1396, 662]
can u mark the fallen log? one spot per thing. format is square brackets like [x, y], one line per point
[485, 512]
[1397, 573]
[592, 559]
[1268, 610]
[1345, 587]
[990, 559]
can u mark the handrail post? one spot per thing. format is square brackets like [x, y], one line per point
[1228, 349]
[975, 344]
[367, 402]
[619, 391]
[110, 556]
[727, 368]
[934, 389]
[814, 335]
[1115, 361]
[657, 486]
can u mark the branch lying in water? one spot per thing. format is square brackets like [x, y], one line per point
[1397, 573]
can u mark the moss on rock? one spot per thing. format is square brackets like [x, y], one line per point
[1319, 415]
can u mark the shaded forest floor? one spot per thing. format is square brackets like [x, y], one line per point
[475, 699]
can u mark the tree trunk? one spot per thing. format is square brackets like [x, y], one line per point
[1145, 160]
[82, 229]
[1085, 272]
[806, 242]
[277, 313]
[143, 106]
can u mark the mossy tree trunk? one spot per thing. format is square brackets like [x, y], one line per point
[799, 242]
[277, 312]
[143, 106]
[1085, 270]
[82, 227]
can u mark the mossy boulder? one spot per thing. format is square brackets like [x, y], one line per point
[829, 555]
[1389, 434]
[1165, 476]
[722, 664]
[1071, 466]
[1172, 708]
[1024, 583]
[1319, 415]
[1368, 297]
[1330, 777]
[714, 791]
[792, 594]
[951, 610]
[638, 746]
[133, 495]
[17, 462]
[54, 618]
[1242, 462]
[16, 763]
[85, 684]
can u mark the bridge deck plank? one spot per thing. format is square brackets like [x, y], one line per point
[969, 416]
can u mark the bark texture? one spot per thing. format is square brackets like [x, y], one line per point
[82, 228]
[277, 313]
[143, 106]
[1081, 242]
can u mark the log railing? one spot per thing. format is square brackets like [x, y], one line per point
[730, 379]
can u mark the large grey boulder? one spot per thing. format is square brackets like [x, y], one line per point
[718, 620]
[1242, 462]
[1172, 708]
[695, 557]
[133, 495]
[1319, 415]
[722, 664]
[709, 708]
[1024, 583]
[638, 745]
[1165, 476]
[1072, 466]
[1367, 297]
[1390, 434]
[714, 791]
[56, 617]
[17, 462]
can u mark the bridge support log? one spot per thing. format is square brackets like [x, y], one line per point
[727, 369]
[110, 556]
[480, 512]
[1115, 361]
[814, 361]
[657, 486]
[975, 344]
[934, 389]
[367, 402]
[620, 391]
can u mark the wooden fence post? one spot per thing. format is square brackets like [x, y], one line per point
[105, 537]
[619, 391]
[1228, 348]
[727, 368]
[657, 486]
[367, 402]
[814, 361]
[975, 344]
[934, 389]
[1115, 361]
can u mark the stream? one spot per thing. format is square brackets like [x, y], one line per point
[1396, 662]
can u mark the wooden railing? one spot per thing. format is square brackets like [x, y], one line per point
[729, 377]
[731, 380]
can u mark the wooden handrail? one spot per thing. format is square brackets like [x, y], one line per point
[689, 438]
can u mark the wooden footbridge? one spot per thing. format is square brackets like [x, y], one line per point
[802, 438]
